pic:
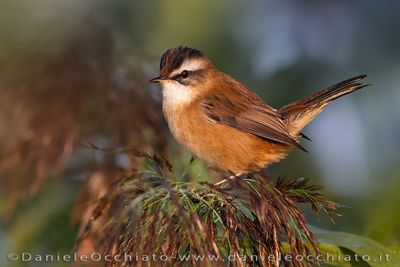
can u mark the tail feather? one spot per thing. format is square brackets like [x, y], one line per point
[298, 114]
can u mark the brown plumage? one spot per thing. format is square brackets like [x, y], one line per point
[225, 123]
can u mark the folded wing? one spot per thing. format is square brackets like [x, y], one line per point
[245, 111]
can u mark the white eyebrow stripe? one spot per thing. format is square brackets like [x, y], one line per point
[189, 65]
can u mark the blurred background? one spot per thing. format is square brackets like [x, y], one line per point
[73, 75]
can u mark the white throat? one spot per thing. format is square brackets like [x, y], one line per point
[176, 94]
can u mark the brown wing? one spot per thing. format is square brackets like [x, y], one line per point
[238, 107]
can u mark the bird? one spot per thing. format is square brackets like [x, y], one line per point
[226, 124]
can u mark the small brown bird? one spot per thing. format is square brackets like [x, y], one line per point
[225, 123]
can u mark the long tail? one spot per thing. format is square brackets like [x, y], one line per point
[298, 114]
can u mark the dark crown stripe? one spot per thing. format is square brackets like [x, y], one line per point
[174, 57]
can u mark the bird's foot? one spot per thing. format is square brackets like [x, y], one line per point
[225, 180]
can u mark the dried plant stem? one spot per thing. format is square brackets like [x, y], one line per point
[147, 214]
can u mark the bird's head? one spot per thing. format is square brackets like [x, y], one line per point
[184, 73]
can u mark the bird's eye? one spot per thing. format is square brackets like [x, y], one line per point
[184, 74]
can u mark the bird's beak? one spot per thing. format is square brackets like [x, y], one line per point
[157, 79]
